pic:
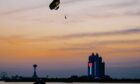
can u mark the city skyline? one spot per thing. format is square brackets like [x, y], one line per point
[31, 33]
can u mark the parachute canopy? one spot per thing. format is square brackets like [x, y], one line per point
[54, 5]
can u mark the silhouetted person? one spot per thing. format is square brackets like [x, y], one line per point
[54, 5]
[65, 17]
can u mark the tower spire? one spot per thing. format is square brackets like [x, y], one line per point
[35, 73]
[92, 54]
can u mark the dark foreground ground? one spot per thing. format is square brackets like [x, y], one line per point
[71, 80]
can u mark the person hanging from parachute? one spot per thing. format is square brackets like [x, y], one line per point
[54, 5]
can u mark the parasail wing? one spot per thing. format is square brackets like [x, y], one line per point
[54, 5]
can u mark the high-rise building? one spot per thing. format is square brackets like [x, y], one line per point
[96, 67]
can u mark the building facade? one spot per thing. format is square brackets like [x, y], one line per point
[96, 67]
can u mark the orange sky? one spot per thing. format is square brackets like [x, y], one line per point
[31, 33]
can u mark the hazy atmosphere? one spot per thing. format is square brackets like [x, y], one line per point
[32, 33]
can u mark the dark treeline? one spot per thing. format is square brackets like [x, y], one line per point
[72, 79]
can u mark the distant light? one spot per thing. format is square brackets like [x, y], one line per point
[90, 64]
[90, 68]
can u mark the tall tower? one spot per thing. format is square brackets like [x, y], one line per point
[35, 74]
[96, 67]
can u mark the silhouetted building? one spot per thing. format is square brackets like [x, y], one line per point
[96, 67]
[35, 74]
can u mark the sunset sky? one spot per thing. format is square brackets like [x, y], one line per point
[32, 33]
